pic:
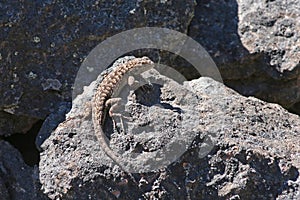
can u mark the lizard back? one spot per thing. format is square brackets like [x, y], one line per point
[103, 93]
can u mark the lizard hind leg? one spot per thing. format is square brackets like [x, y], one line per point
[116, 112]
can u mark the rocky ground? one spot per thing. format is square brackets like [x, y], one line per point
[242, 147]
[237, 145]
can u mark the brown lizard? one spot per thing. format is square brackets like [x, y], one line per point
[103, 93]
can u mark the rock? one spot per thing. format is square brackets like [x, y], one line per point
[11, 124]
[234, 147]
[272, 28]
[44, 43]
[17, 180]
[51, 123]
[256, 46]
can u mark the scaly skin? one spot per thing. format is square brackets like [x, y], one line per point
[104, 92]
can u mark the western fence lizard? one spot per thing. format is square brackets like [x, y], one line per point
[103, 93]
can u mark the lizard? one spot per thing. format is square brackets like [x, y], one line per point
[103, 93]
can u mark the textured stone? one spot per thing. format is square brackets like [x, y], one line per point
[44, 43]
[256, 47]
[272, 28]
[255, 44]
[241, 147]
[17, 180]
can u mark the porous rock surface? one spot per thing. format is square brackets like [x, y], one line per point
[255, 44]
[242, 148]
[43, 44]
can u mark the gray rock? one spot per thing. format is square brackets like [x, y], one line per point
[17, 180]
[272, 28]
[44, 43]
[51, 122]
[255, 44]
[11, 124]
[238, 147]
